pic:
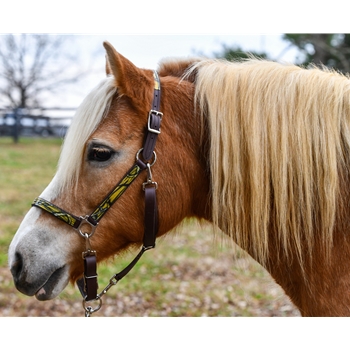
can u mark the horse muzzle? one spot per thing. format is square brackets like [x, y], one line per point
[45, 285]
[38, 260]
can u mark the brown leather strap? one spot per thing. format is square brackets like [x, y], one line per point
[127, 269]
[89, 282]
[151, 136]
[153, 125]
[151, 217]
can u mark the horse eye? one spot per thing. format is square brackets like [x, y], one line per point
[100, 154]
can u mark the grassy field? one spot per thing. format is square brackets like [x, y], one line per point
[190, 273]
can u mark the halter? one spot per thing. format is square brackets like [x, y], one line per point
[86, 225]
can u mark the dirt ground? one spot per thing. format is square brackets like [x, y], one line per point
[181, 302]
[187, 275]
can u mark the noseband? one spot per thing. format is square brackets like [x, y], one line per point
[86, 225]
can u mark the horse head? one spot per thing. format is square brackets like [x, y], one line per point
[106, 134]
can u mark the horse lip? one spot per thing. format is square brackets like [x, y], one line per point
[46, 291]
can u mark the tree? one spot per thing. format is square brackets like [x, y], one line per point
[236, 53]
[33, 65]
[331, 50]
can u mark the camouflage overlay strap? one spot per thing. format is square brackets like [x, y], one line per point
[98, 213]
[117, 192]
[57, 212]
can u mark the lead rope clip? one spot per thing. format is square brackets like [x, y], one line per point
[149, 178]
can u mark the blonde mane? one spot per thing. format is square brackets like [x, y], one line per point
[87, 118]
[279, 135]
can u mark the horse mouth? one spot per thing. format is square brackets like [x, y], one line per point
[53, 285]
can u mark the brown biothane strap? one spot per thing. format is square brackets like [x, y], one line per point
[151, 217]
[154, 120]
[90, 277]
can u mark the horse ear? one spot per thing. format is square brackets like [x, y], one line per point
[108, 68]
[128, 78]
[113, 61]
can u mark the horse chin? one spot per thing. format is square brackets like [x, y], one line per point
[54, 285]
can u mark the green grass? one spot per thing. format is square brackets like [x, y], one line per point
[25, 170]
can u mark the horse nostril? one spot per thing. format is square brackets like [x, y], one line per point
[17, 266]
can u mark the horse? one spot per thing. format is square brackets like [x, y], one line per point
[258, 148]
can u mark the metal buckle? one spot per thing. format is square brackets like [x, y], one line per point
[149, 183]
[152, 111]
[88, 251]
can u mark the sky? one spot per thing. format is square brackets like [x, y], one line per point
[147, 31]
[146, 51]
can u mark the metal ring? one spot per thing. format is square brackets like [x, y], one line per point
[89, 308]
[85, 221]
[154, 155]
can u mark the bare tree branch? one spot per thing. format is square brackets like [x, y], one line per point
[33, 64]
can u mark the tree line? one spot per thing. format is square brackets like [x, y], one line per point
[34, 65]
[330, 50]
